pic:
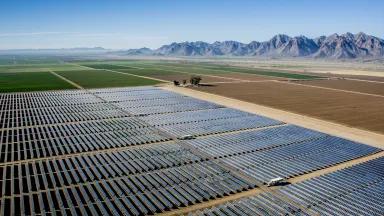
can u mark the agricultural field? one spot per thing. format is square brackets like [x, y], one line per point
[34, 81]
[356, 110]
[376, 88]
[149, 150]
[103, 78]
[194, 69]
[38, 67]
[124, 151]
[345, 100]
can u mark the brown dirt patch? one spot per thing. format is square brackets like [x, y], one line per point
[249, 77]
[360, 77]
[355, 110]
[349, 85]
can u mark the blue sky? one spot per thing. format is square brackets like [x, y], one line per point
[123, 24]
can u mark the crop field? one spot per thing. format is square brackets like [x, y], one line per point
[34, 81]
[38, 67]
[349, 85]
[123, 151]
[357, 110]
[143, 67]
[103, 78]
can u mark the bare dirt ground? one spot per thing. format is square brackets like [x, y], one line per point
[249, 77]
[352, 110]
[365, 78]
[347, 76]
[350, 85]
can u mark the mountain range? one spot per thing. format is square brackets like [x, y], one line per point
[344, 46]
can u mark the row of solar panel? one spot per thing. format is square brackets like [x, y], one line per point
[49, 118]
[14, 103]
[265, 204]
[251, 141]
[142, 194]
[298, 158]
[41, 146]
[59, 172]
[357, 190]
[216, 126]
[73, 129]
[193, 116]
[58, 93]
[86, 112]
[181, 105]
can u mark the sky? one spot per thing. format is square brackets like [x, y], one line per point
[122, 24]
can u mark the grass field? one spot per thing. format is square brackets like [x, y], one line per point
[108, 66]
[38, 67]
[90, 74]
[102, 78]
[36, 81]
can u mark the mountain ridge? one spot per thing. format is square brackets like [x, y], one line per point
[335, 46]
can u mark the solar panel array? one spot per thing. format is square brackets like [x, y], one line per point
[119, 151]
[357, 190]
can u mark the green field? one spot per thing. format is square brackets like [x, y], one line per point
[204, 68]
[37, 81]
[108, 66]
[102, 79]
[38, 67]
[19, 74]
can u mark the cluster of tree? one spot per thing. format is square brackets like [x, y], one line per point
[194, 80]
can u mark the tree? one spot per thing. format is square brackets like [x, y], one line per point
[195, 80]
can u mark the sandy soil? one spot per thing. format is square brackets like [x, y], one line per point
[372, 120]
[350, 85]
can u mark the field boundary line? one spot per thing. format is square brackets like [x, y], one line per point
[208, 75]
[250, 68]
[144, 77]
[245, 81]
[332, 89]
[67, 80]
[363, 80]
[339, 130]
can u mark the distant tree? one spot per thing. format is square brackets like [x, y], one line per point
[195, 80]
[185, 82]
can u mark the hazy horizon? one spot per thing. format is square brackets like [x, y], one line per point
[133, 24]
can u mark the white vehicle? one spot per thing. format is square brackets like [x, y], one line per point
[275, 181]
